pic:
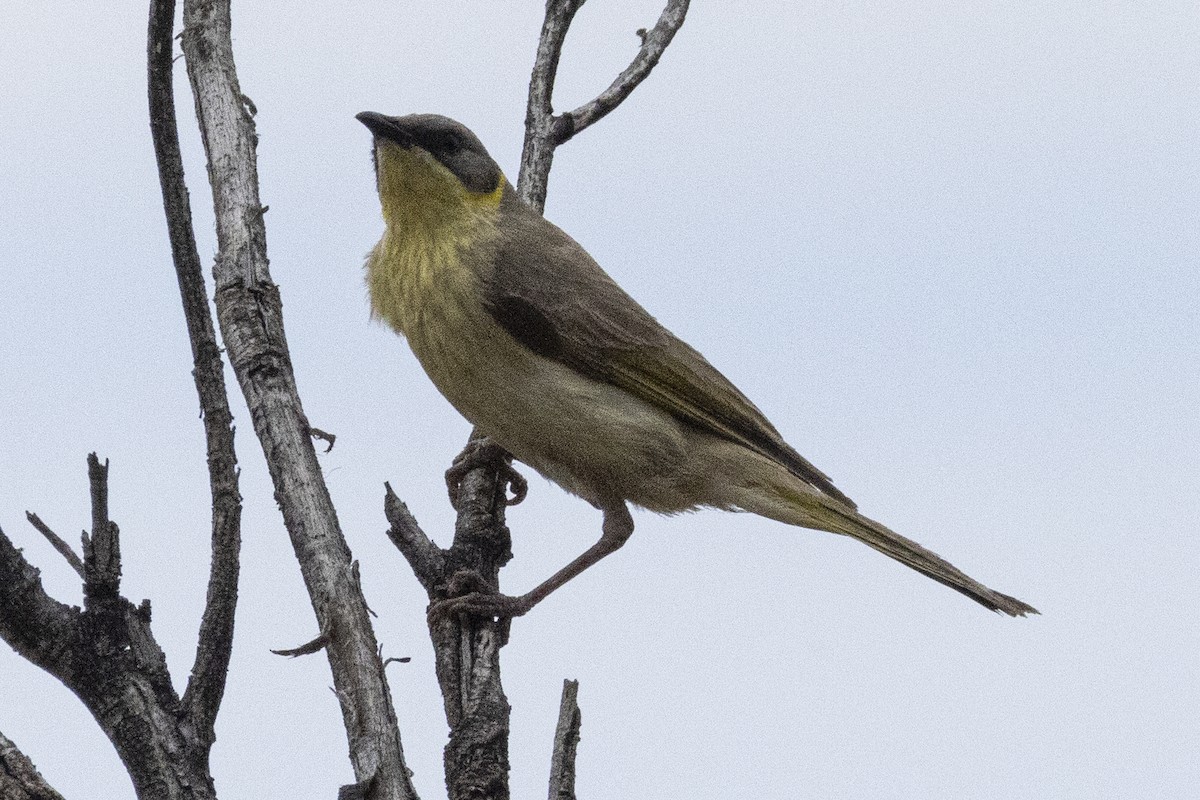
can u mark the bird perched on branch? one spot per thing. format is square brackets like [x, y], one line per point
[538, 347]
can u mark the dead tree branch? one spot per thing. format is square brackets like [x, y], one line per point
[539, 112]
[215, 644]
[56, 541]
[654, 44]
[468, 649]
[251, 322]
[19, 778]
[566, 742]
[107, 655]
[544, 131]
[427, 559]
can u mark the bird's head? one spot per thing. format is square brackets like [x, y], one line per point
[429, 167]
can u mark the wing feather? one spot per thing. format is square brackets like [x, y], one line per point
[551, 296]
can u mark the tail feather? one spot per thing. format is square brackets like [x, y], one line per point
[850, 523]
[807, 508]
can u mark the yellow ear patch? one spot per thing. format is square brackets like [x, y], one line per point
[492, 199]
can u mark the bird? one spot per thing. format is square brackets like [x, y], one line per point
[539, 348]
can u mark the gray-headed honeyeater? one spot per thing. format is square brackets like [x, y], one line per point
[538, 347]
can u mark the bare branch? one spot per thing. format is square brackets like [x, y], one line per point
[427, 560]
[251, 320]
[206, 685]
[566, 742]
[34, 624]
[56, 542]
[538, 152]
[307, 649]
[102, 549]
[654, 43]
[544, 131]
[108, 657]
[467, 649]
[19, 778]
[559, 15]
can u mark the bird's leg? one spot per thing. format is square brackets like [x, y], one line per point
[616, 530]
[480, 452]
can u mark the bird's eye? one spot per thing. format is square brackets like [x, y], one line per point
[445, 142]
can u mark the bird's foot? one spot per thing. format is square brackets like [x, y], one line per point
[484, 452]
[471, 596]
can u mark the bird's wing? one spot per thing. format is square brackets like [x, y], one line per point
[551, 296]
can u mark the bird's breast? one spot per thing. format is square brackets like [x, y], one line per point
[592, 438]
[429, 289]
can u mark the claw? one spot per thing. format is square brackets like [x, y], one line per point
[484, 452]
[489, 605]
[472, 596]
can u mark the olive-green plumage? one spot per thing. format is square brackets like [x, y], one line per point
[537, 346]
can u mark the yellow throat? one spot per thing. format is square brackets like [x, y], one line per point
[432, 223]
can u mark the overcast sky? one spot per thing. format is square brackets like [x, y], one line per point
[949, 248]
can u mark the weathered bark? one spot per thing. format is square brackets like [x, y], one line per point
[467, 649]
[107, 655]
[251, 321]
[566, 742]
[544, 131]
[19, 778]
[215, 644]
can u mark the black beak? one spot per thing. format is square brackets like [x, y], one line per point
[385, 127]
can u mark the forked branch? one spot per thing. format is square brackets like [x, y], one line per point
[544, 131]
[107, 655]
[251, 322]
[215, 643]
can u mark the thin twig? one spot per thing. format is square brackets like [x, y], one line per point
[328, 438]
[214, 644]
[307, 649]
[654, 43]
[56, 542]
[566, 743]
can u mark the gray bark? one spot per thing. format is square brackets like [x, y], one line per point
[19, 778]
[467, 650]
[107, 655]
[215, 643]
[566, 742]
[251, 321]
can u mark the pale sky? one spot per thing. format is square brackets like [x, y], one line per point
[950, 249]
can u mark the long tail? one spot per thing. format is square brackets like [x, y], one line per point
[800, 505]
